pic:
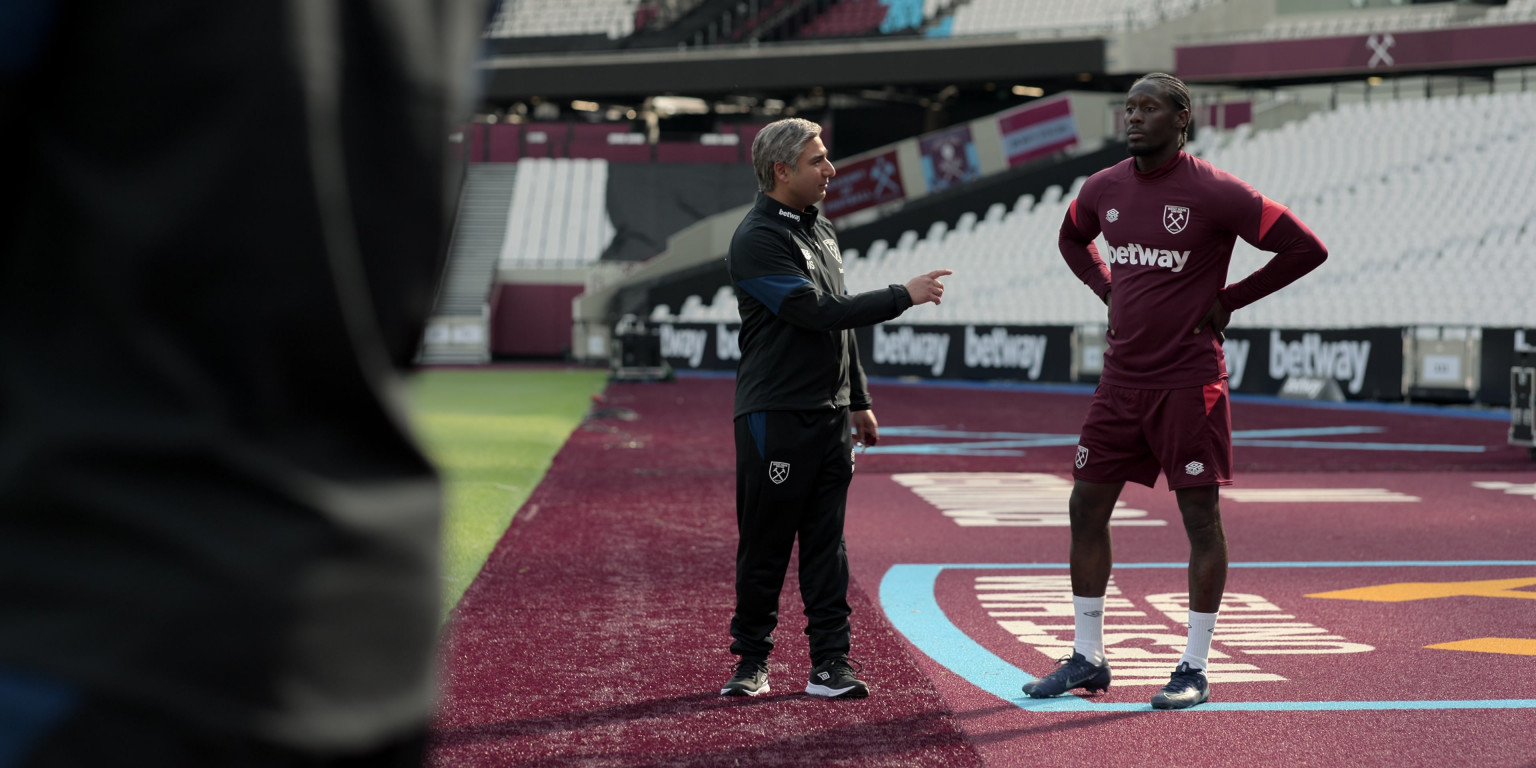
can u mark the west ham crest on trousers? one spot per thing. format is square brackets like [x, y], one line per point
[778, 471]
[1175, 217]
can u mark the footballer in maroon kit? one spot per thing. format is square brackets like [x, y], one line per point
[1170, 221]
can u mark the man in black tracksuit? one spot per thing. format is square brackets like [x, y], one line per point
[799, 388]
[219, 540]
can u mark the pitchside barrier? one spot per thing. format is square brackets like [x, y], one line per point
[1432, 363]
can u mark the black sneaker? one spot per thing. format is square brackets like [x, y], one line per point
[750, 678]
[1186, 688]
[835, 679]
[1073, 671]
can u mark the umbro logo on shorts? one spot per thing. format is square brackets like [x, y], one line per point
[1194, 468]
[778, 471]
[1082, 457]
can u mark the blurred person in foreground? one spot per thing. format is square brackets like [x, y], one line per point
[1170, 220]
[218, 540]
[801, 398]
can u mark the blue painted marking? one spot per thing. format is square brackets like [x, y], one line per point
[1259, 564]
[1450, 412]
[960, 433]
[1256, 434]
[692, 374]
[996, 444]
[1482, 414]
[907, 597]
[1009, 386]
[1005, 443]
[1347, 446]
[939, 450]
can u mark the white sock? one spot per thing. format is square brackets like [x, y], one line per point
[1201, 627]
[1088, 621]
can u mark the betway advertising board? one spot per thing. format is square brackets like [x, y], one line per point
[1367, 363]
[700, 346]
[975, 352]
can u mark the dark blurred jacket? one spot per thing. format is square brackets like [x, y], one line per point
[225, 227]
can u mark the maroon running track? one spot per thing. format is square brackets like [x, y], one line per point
[596, 633]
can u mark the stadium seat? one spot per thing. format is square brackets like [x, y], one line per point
[559, 214]
[1058, 18]
[1365, 177]
[542, 18]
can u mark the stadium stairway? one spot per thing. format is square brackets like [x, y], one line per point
[457, 331]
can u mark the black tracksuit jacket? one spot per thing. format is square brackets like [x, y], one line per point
[798, 351]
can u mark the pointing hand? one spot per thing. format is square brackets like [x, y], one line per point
[926, 288]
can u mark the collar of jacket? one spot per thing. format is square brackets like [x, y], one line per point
[805, 220]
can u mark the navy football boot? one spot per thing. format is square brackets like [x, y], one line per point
[1186, 688]
[1071, 672]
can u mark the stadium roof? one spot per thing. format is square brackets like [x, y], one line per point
[790, 67]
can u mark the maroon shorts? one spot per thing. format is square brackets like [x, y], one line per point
[1130, 434]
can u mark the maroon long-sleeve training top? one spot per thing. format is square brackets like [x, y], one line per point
[1170, 233]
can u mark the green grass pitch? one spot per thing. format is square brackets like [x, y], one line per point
[492, 435]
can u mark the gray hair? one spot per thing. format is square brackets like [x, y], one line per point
[780, 142]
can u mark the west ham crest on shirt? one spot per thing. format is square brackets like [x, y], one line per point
[1175, 218]
[832, 249]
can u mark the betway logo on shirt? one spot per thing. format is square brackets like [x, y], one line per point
[1136, 253]
[1315, 358]
[1000, 349]
[908, 347]
[791, 215]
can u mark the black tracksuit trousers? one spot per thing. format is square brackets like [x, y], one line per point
[792, 475]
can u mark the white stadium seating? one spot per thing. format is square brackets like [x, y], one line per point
[1427, 206]
[559, 213]
[538, 18]
[1067, 17]
[1515, 12]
